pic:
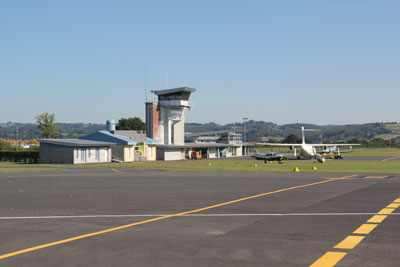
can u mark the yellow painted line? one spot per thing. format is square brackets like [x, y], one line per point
[376, 177]
[377, 219]
[342, 178]
[329, 259]
[393, 205]
[114, 170]
[158, 219]
[350, 242]
[386, 211]
[365, 229]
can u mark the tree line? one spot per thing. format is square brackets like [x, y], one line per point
[258, 131]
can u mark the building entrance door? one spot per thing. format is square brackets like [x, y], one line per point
[83, 154]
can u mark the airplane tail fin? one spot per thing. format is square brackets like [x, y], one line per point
[256, 151]
[307, 130]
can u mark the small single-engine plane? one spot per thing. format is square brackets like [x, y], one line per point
[270, 156]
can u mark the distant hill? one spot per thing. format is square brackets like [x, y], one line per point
[31, 131]
[258, 130]
[263, 131]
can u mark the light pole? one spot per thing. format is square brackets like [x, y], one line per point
[244, 122]
[16, 145]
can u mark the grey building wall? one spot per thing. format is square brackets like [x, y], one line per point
[160, 154]
[56, 154]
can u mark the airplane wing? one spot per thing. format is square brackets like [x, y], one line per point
[299, 145]
[258, 157]
[278, 144]
[332, 145]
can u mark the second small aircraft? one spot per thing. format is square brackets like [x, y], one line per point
[270, 156]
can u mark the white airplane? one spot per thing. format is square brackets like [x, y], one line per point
[308, 151]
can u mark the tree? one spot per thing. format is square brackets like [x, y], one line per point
[47, 125]
[292, 139]
[5, 146]
[131, 124]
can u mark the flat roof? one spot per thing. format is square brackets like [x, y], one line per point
[215, 132]
[193, 145]
[173, 90]
[74, 142]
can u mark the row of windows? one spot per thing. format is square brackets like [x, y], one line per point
[235, 137]
[81, 153]
[177, 96]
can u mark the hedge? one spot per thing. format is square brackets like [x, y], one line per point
[20, 156]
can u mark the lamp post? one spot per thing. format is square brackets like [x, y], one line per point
[244, 122]
[16, 145]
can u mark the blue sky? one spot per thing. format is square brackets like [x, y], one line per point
[323, 62]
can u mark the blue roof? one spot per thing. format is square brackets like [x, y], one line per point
[151, 141]
[106, 136]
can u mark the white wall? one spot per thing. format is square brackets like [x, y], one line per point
[150, 152]
[239, 151]
[129, 153]
[212, 151]
[172, 155]
[179, 130]
[90, 153]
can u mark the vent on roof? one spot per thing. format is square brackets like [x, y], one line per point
[110, 124]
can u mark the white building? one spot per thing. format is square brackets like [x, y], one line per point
[216, 144]
[74, 151]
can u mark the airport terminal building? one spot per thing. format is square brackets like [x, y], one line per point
[165, 138]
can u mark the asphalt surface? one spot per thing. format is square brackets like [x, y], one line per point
[292, 227]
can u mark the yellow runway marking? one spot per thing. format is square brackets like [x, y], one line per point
[377, 219]
[376, 177]
[365, 229]
[393, 205]
[329, 259]
[114, 170]
[386, 211]
[350, 242]
[160, 218]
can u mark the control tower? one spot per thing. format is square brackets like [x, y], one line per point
[165, 118]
